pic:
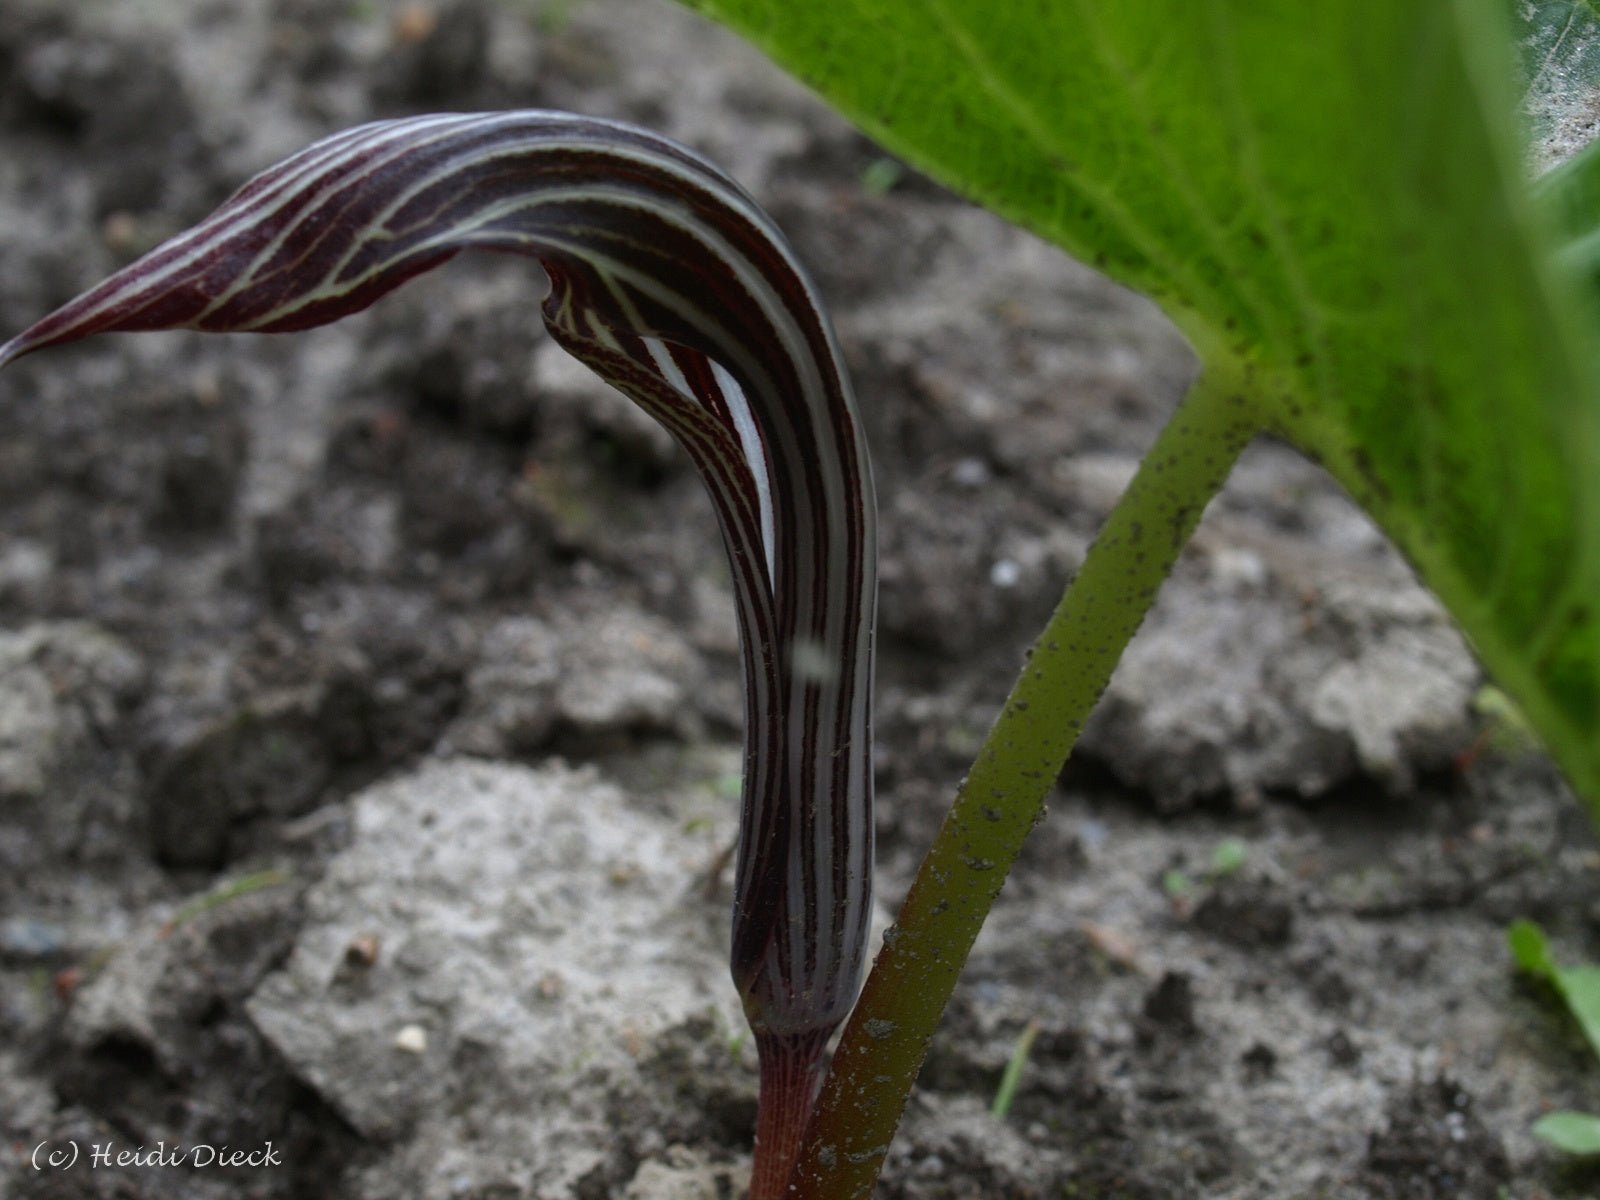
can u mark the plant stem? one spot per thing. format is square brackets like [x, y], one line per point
[790, 1068]
[1002, 798]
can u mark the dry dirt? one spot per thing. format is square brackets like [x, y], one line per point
[369, 709]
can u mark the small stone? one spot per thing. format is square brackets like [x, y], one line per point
[363, 950]
[413, 1039]
[414, 23]
[1114, 944]
[120, 232]
[66, 982]
[971, 473]
[622, 874]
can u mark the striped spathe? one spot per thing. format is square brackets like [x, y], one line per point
[669, 282]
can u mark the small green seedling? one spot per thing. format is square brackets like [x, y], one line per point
[881, 175]
[1176, 883]
[1578, 987]
[1227, 859]
[245, 885]
[1011, 1078]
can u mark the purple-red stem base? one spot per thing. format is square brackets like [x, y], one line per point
[791, 1071]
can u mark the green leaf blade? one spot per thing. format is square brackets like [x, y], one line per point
[1578, 987]
[1330, 196]
[1531, 951]
[1574, 1132]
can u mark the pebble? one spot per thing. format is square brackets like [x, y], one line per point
[363, 950]
[1005, 573]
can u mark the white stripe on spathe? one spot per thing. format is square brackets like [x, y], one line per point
[755, 454]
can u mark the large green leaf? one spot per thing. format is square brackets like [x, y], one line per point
[1331, 196]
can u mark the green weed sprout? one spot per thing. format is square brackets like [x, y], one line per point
[1011, 1077]
[1579, 989]
[1227, 859]
[244, 885]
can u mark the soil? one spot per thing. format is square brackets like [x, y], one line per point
[370, 720]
